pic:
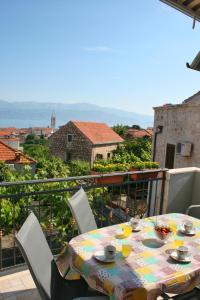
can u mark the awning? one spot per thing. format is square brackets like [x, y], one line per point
[189, 7]
[195, 65]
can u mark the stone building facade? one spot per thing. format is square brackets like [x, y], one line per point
[86, 141]
[176, 140]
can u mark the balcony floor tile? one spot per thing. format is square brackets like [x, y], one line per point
[18, 286]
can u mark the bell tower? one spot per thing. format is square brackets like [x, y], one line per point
[53, 120]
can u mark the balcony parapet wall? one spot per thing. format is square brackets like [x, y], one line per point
[182, 189]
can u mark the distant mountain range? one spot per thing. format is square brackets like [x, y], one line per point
[30, 114]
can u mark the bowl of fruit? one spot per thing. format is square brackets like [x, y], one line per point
[163, 232]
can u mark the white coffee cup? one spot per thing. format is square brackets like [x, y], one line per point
[109, 251]
[188, 226]
[134, 223]
[182, 252]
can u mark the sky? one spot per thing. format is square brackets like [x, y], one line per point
[116, 53]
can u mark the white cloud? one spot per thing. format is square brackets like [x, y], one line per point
[98, 49]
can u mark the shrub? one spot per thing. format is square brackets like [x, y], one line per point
[79, 168]
[138, 165]
[110, 167]
[151, 165]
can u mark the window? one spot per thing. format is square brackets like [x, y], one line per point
[69, 138]
[108, 155]
[178, 148]
[99, 156]
[68, 156]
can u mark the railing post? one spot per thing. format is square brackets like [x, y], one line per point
[162, 191]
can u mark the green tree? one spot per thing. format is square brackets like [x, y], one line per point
[30, 139]
[34, 140]
[37, 151]
[139, 147]
[120, 129]
[79, 168]
[136, 127]
[51, 168]
[6, 174]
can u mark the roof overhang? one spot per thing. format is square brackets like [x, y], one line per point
[98, 144]
[195, 65]
[188, 7]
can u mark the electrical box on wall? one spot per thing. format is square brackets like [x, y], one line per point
[184, 148]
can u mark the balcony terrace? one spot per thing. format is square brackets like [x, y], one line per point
[165, 191]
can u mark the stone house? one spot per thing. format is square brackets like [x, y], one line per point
[86, 141]
[176, 140]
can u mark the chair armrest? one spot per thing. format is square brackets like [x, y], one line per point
[191, 207]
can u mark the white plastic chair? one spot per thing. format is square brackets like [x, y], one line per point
[81, 211]
[192, 207]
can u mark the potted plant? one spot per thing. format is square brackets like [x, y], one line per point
[138, 166]
[109, 168]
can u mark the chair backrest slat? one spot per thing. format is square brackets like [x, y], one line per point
[37, 254]
[82, 212]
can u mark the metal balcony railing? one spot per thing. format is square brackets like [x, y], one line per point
[114, 198]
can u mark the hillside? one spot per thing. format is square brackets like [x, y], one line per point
[27, 114]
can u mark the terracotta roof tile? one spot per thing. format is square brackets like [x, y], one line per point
[98, 133]
[10, 155]
[10, 129]
[5, 133]
[140, 133]
[9, 139]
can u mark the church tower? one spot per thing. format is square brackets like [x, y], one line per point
[53, 120]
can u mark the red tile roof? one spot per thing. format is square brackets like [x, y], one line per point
[98, 133]
[44, 130]
[10, 129]
[140, 133]
[5, 133]
[8, 139]
[10, 155]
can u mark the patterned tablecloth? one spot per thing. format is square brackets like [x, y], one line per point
[148, 271]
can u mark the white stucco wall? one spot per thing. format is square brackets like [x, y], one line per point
[103, 150]
[182, 189]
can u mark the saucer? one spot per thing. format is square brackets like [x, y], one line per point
[191, 232]
[120, 234]
[175, 256]
[100, 256]
[136, 229]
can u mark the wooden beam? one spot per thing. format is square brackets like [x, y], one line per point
[184, 9]
[193, 3]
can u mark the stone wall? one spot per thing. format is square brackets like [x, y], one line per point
[80, 148]
[181, 123]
